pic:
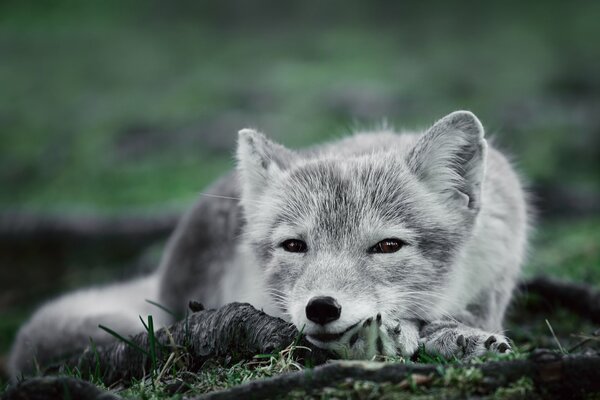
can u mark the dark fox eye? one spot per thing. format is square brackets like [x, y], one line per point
[387, 246]
[294, 246]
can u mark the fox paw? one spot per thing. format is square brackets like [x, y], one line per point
[373, 337]
[463, 342]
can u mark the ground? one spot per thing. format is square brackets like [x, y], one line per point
[109, 107]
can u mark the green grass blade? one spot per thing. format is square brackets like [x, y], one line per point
[96, 373]
[152, 343]
[165, 309]
[143, 323]
[124, 340]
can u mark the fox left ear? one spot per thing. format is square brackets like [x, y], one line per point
[258, 160]
[450, 158]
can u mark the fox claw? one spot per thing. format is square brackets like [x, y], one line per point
[462, 341]
[374, 338]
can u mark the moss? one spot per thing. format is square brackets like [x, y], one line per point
[455, 383]
[521, 389]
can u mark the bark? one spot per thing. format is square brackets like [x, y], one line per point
[234, 332]
[555, 376]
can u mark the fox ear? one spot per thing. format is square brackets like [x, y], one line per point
[450, 158]
[258, 160]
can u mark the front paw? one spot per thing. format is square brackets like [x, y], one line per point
[457, 341]
[373, 338]
[405, 336]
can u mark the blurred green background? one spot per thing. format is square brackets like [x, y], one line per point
[118, 107]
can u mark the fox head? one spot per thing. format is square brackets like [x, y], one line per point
[346, 235]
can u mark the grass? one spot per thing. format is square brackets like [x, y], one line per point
[213, 376]
[456, 379]
[175, 380]
[123, 339]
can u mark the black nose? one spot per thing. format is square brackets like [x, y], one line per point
[323, 309]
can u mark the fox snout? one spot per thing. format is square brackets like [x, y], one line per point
[323, 309]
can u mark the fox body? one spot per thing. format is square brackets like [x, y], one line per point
[372, 244]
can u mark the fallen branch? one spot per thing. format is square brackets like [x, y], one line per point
[19, 227]
[56, 388]
[578, 297]
[239, 331]
[233, 332]
[554, 375]
[47, 246]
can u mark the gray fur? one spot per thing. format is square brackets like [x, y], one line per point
[456, 204]
[458, 207]
[69, 323]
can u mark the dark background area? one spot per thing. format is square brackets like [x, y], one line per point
[112, 109]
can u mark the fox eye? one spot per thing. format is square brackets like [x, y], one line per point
[294, 246]
[387, 246]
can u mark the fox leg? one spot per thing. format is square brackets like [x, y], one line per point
[473, 332]
[198, 251]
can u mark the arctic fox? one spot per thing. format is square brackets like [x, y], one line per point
[371, 245]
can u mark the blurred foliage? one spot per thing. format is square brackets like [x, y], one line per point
[111, 104]
[568, 250]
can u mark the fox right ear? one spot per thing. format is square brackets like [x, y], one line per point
[258, 160]
[450, 157]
